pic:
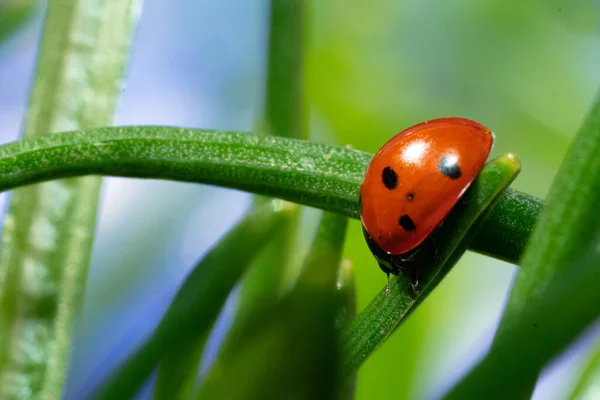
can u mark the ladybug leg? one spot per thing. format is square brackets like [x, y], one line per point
[388, 269]
[415, 280]
[436, 256]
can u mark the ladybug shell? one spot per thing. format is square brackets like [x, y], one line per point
[417, 177]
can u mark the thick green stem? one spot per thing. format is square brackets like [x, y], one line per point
[314, 174]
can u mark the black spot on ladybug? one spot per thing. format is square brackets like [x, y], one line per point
[390, 179]
[407, 223]
[449, 166]
[410, 196]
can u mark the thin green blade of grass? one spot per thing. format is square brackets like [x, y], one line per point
[48, 231]
[314, 174]
[346, 291]
[520, 350]
[294, 340]
[259, 288]
[14, 14]
[285, 112]
[570, 217]
[589, 383]
[379, 319]
[198, 301]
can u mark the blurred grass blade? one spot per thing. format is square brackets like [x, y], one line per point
[197, 303]
[588, 386]
[285, 113]
[48, 231]
[570, 304]
[374, 324]
[570, 217]
[293, 340]
[260, 286]
[178, 371]
[346, 292]
[322, 262]
[314, 174]
[14, 14]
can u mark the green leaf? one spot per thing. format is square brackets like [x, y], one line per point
[569, 219]
[294, 340]
[13, 15]
[48, 231]
[309, 173]
[569, 305]
[379, 319]
[198, 301]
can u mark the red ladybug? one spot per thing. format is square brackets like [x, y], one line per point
[414, 181]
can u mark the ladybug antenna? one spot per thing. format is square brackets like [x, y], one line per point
[387, 289]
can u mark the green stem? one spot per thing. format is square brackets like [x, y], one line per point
[48, 231]
[569, 220]
[314, 174]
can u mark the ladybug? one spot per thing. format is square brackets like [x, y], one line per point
[413, 182]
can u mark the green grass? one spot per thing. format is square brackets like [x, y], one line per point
[297, 331]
